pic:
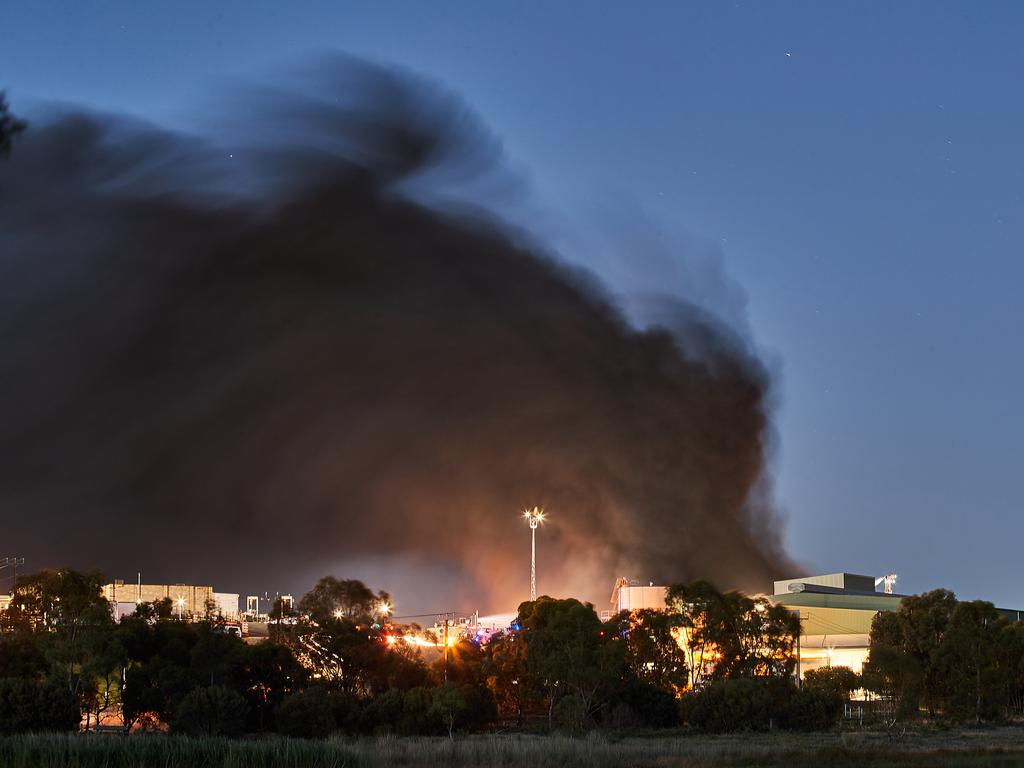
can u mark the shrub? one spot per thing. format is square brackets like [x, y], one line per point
[382, 712]
[213, 711]
[347, 711]
[640, 704]
[570, 713]
[450, 706]
[18, 706]
[306, 714]
[21, 656]
[839, 680]
[753, 705]
[730, 705]
[418, 715]
[27, 706]
[418, 711]
[812, 709]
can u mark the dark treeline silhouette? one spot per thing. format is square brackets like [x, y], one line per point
[712, 661]
[945, 657]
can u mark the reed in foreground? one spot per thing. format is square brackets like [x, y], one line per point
[997, 747]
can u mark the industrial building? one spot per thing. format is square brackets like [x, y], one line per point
[631, 595]
[835, 610]
[189, 601]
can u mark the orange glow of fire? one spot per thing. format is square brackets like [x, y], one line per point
[422, 642]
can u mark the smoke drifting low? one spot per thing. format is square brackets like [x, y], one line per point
[252, 362]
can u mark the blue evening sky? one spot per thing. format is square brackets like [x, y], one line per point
[856, 168]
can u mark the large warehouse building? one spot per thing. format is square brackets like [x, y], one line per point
[835, 612]
[835, 609]
[191, 601]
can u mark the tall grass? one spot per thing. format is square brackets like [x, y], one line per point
[998, 747]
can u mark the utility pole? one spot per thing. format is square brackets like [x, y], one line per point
[800, 631]
[448, 619]
[445, 642]
[799, 677]
[534, 517]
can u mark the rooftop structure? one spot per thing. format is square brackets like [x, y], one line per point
[631, 595]
[844, 583]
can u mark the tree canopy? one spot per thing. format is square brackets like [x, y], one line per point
[955, 659]
[333, 598]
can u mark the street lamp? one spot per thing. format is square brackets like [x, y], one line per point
[534, 517]
[181, 605]
[382, 609]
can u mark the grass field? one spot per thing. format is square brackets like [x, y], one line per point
[991, 747]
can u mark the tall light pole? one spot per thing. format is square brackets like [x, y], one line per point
[534, 517]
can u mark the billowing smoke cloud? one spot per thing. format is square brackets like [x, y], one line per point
[255, 359]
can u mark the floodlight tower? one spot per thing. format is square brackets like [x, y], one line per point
[889, 580]
[534, 517]
[382, 609]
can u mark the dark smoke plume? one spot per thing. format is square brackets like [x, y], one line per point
[254, 360]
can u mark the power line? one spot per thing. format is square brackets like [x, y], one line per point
[428, 615]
